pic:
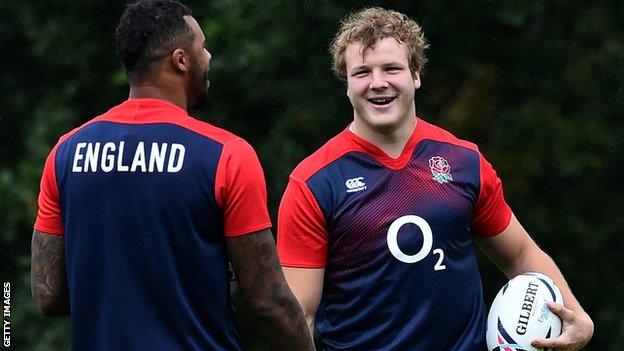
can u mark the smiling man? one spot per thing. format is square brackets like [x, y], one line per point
[377, 228]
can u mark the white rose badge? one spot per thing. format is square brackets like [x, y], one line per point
[440, 169]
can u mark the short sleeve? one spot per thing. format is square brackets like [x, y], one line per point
[492, 213]
[240, 190]
[49, 218]
[302, 235]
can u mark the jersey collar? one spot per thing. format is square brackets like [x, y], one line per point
[383, 158]
[146, 110]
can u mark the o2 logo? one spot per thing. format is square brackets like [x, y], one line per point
[425, 229]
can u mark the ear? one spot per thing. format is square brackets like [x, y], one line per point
[416, 76]
[180, 60]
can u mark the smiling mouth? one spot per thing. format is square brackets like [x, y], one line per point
[381, 101]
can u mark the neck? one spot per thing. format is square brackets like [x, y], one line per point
[153, 92]
[392, 142]
[164, 86]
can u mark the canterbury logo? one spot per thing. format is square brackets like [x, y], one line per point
[355, 184]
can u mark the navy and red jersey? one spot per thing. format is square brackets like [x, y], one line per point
[395, 237]
[145, 196]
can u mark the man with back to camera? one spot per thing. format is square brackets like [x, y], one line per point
[141, 208]
[376, 228]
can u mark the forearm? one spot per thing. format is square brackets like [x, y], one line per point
[283, 321]
[536, 260]
[514, 252]
[307, 286]
[48, 279]
[262, 283]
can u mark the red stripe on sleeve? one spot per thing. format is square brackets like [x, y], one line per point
[302, 235]
[240, 190]
[492, 213]
[49, 218]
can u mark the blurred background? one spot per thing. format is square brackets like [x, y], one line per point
[538, 85]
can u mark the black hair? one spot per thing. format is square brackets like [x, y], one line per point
[150, 29]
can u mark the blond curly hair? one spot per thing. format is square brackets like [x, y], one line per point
[372, 24]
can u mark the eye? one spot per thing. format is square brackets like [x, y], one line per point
[360, 73]
[393, 69]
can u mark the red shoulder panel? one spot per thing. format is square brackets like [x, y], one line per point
[302, 232]
[302, 239]
[49, 219]
[492, 213]
[240, 190]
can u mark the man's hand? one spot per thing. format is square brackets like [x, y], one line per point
[577, 329]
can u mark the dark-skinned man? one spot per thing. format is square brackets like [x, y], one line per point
[141, 208]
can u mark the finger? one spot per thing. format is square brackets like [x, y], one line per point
[555, 343]
[561, 310]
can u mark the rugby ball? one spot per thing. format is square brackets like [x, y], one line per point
[519, 313]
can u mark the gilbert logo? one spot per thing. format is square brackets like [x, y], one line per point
[440, 169]
[355, 184]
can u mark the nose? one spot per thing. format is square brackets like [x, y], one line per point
[378, 81]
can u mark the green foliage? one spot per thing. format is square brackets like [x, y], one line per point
[538, 85]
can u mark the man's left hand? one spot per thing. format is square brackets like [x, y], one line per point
[577, 329]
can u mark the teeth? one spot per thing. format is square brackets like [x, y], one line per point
[381, 101]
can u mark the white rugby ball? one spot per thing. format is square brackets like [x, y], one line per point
[519, 313]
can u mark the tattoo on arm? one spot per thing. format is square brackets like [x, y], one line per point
[262, 283]
[48, 279]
